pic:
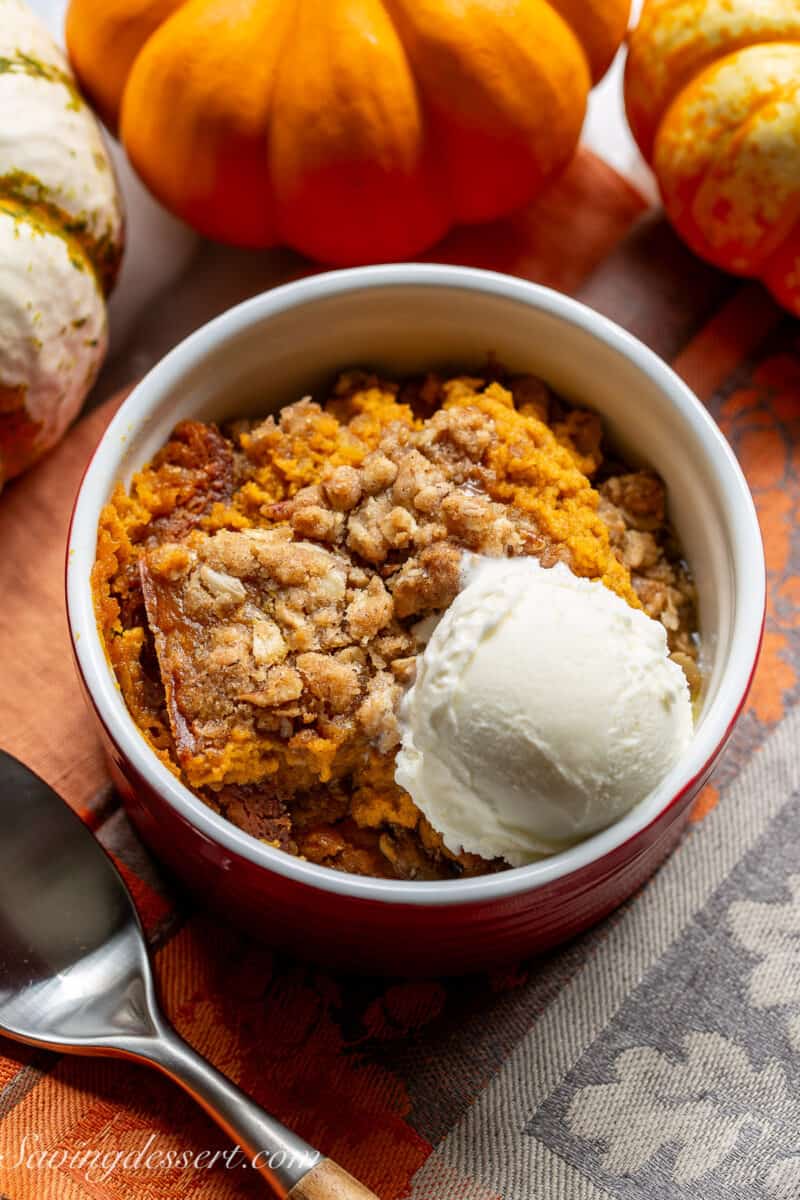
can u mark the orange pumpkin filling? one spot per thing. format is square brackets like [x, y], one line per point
[260, 590]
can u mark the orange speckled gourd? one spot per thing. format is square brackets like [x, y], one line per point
[352, 130]
[712, 91]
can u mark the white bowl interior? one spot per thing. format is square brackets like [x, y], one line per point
[291, 342]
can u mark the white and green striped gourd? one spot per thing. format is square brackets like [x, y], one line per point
[61, 238]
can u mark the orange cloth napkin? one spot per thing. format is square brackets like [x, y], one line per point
[367, 1070]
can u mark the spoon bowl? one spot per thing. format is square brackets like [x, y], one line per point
[75, 976]
[74, 970]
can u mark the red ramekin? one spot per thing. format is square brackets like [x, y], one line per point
[290, 342]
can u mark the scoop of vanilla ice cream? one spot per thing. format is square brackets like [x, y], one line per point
[544, 708]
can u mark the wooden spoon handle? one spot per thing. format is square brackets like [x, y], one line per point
[328, 1181]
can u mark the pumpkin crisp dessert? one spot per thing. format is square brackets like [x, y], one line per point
[265, 590]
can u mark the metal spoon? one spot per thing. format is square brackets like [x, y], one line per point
[75, 976]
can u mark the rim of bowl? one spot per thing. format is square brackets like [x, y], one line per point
[102, 472]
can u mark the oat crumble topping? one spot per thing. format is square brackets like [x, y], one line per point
[260, 589]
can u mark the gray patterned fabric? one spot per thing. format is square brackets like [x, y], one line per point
[668, 1066]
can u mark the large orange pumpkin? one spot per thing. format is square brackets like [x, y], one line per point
[352, 130]
[712, 91]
